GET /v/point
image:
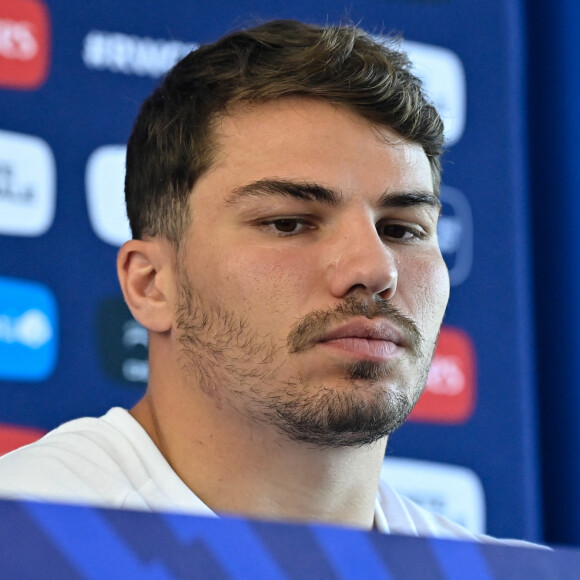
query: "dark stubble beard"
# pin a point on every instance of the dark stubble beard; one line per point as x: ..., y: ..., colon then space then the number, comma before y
x: 235, y: 366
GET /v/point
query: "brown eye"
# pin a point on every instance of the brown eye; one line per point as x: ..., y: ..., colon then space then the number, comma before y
x: 396, y: 231
x: 286, y: 225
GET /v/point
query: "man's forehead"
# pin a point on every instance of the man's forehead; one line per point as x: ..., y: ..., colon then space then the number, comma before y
x: 291, y: 120
x: 292, y: 109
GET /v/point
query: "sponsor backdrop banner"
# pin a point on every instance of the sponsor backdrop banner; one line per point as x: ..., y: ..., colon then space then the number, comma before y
x: 71, y: 80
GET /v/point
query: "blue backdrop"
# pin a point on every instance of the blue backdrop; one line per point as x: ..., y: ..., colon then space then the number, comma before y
x: 554, y: 121
x: 88, y: 354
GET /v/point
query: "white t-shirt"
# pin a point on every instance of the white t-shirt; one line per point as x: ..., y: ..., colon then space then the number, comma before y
x: 112, y: 462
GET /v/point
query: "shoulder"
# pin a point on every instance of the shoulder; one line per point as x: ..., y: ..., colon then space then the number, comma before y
x: 405, y: 517
x: 83, y: 460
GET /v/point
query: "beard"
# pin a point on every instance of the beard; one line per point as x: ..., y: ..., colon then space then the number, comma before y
x: 238, y: 367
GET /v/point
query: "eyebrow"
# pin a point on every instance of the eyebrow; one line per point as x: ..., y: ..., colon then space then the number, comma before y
x: 310, y: 191
x: 410, y: 198
x: 304, y: 190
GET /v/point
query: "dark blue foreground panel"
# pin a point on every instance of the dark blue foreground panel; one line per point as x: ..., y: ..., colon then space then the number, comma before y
x: 44, y: 540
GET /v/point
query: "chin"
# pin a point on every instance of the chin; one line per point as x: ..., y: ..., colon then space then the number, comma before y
x: 338, y: 416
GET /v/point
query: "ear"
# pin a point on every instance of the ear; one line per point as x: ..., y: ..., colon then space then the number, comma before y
x: 145, y: 270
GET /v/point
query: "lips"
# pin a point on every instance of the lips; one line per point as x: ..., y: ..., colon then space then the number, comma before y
x: 356, y: 320
x: 365, y: 340
x: 380, y: 330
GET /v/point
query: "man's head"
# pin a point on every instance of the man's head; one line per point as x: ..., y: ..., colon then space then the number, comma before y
x: 172, y: 143
x: 288, y: 177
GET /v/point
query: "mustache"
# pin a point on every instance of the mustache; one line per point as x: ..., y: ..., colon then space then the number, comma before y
x: 308, y: 331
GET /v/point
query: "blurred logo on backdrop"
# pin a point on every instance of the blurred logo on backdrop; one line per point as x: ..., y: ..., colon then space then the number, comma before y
x: 28, y: 330
x: 453, y: 491
x: 24, y: 44
x: 128, y: 54
x: 27, y: 185
x: 449, y: 397
x: 443, y: 76
x: 14, y: 436
x: 122, y: 343
x: 455, y: 233
x: 105, y: 186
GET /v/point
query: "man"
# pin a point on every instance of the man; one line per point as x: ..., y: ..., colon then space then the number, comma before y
x: 282, y: 188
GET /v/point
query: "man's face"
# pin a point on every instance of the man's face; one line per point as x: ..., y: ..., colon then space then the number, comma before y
x: 312, y: 287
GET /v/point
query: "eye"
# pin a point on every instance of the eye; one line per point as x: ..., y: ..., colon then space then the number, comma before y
x: 286, y: 225
x: 398, y: 231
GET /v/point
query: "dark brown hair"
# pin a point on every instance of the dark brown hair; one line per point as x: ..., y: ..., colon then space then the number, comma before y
x: 171, y: 144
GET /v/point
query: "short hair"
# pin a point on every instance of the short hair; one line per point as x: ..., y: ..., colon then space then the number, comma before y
x: 171, y: 143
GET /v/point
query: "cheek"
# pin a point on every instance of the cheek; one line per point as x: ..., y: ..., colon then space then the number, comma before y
x: 428, y: 283
x: 262, y: 280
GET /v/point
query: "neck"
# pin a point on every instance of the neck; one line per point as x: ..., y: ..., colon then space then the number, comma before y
x: 241, y: 467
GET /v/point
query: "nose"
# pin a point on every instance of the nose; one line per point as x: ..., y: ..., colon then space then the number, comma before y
x: 360, y: 261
